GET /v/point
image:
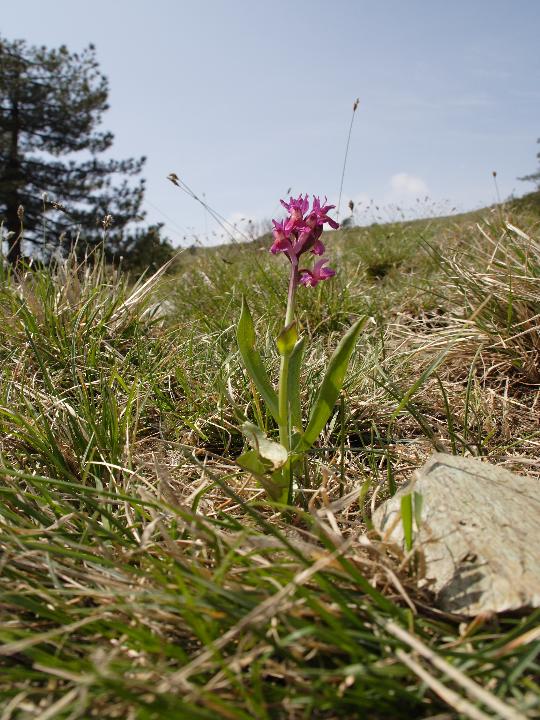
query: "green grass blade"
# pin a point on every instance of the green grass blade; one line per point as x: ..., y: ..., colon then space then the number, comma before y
x: 407, y: 519
x: 431, y: 368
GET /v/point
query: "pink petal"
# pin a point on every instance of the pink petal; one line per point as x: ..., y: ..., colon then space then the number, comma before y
x: 318, y: 248
x: 326, y: 273
x: 307, y: 279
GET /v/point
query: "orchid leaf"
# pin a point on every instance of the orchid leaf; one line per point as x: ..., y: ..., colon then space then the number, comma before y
x: 293, y: 385
x: 331, y: 386
x: 245, y: 335
x: 251, y: 461
x: 272, y: 486
x: 272, y: 483
x: 269, y: 451
x: 287, y: 339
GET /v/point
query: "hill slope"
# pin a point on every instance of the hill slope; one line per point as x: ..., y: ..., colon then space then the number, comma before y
x: 143, y: 575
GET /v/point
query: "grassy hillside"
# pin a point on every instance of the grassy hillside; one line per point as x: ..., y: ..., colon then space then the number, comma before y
x: 144, y: 575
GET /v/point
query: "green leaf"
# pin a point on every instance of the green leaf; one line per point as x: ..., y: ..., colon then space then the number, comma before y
x: 407, y: 519
x: 251, y: 461
x: 293, y: 385
x: 274, y: 453
x: 331, y: 386
x: 287, y: 338
x: 273, y: 483
x: 245, y: 335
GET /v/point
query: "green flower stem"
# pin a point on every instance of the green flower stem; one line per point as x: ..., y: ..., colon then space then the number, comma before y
x: 293, y: 284
x: 283, y: 399
x: 284, y: 402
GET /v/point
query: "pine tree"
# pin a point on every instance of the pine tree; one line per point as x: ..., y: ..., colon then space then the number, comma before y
x: 534, y: 177
x: 51, y: 105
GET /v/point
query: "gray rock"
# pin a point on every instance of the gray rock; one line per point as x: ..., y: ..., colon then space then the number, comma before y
x: 160, y: 310
x: 479, y: 534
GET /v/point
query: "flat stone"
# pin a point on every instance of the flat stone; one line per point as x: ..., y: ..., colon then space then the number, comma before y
x: 479, y: 534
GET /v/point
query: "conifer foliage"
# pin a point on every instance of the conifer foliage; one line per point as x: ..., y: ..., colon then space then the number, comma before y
x: 534, y: 177
x: 55, y: 184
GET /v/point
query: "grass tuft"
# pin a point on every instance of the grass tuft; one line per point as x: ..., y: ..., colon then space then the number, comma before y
x: 142, y: 574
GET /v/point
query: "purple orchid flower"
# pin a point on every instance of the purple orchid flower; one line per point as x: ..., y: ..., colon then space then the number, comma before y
x: 281, y: 242
x: 296, y: 207
x: 301, y: 232
x: 319, y: 214
x: 309, y: 239
x: 310, y: 278
x: 318, y: 248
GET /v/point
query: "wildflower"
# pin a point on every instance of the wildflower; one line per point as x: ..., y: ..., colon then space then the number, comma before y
x: 309, y: 239
x: 302, y: 230
x: 319, y: 214
x: 281, y: 242
x: 310, y: 278
x: 278, y: 465
x: 318, y: 248
x: 296, y: 207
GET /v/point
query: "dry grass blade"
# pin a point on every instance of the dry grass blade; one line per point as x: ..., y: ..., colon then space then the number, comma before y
x: 528, y: 637
x: 131, y: 589
x: 20, y: 645
x: 460, y: 704
x: 53, y: 710
x: 143, y: 290
x: 262, y: 612
x: 502, y: 709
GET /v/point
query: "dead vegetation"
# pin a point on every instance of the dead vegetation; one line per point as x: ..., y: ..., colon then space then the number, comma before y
x: 145, y: 576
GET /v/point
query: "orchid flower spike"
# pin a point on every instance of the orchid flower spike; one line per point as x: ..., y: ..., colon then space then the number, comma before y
x: 301, y: 231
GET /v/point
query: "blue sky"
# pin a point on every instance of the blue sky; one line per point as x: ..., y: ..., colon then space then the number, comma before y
x: 244, y: 99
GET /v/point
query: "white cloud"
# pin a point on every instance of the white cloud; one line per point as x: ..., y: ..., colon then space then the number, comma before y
x: 405, y: 186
